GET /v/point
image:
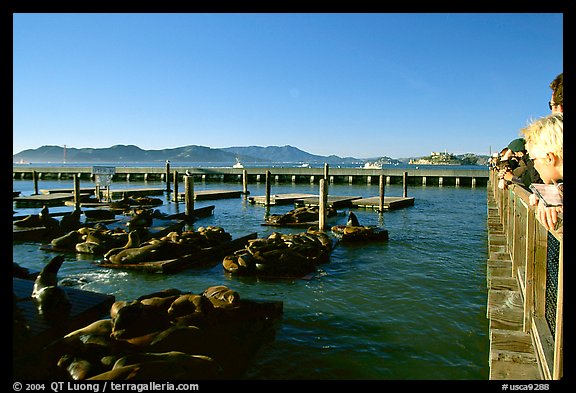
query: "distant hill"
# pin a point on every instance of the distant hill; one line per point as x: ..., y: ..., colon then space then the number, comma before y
x: 192, y: 153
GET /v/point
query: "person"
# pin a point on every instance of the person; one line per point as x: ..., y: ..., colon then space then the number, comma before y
x: 544, y: 143
x: 556, y: 103
x: 520, y: 169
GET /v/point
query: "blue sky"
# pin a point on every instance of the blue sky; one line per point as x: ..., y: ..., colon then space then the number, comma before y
x: 361, y: 85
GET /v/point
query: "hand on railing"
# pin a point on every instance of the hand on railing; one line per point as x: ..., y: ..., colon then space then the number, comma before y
x: 547, y: 215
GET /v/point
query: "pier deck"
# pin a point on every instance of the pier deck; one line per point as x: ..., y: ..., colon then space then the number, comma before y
x: 512, y: 355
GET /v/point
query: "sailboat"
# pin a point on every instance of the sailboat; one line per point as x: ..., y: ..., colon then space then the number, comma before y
x: 238, y: 164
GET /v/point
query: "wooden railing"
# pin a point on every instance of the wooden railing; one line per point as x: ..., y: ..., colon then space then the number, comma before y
x: 539, y: 272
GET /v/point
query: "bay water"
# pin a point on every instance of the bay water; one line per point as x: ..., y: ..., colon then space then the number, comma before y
x: 411, y: 308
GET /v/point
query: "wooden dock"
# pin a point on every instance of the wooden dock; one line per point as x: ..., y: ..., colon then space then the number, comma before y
x: 280, y: 199
x: 87, y: 307
x: 389, y: 202
x: 52, y: 199
x: 512, y: 355
x: 205, y: 195
x: 336, y: 201
x: 525, y: 289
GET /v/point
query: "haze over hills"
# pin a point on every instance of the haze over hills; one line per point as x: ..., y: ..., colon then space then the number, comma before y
x: 190, y: 153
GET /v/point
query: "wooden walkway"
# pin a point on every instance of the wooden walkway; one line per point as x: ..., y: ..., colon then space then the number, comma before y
x: 512, y: 355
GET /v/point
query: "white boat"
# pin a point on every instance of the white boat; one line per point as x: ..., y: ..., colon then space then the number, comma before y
x: 238, y: 164
x: 305, y: 165
x: 372, y: 165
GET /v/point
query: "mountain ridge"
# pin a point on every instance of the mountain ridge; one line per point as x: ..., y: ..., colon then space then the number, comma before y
x: 195, y: 153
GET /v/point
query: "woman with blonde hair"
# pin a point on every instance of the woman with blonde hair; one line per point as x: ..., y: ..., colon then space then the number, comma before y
x: 544, y: 143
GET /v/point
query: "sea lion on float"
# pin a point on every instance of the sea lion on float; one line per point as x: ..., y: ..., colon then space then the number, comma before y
x: 51, y: 300
x: 67, y: 241
x: 352, y: 220
x: 71, y: 221
x: 135, y: 319
x: 133, y: 241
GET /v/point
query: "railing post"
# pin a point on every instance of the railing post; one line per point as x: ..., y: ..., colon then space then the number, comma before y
x: 559, y: 330
x: 530, y: 263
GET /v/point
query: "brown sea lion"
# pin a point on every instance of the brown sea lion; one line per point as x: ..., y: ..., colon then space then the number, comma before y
x: 188, y: 304
x: 136, y: 319
x: 71, y: 221
x: 133, y: 241
x: 222, y: 293
x: 51, y: 300
x: 67, y: 241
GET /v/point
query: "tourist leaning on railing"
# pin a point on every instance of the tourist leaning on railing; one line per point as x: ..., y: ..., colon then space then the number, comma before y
x: 544, y: 142
x: 520, y: 168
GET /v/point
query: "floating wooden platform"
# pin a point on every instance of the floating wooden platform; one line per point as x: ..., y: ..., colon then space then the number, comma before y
x: 87, y: 307
x: 89, y: 191
x: 198, y: 259
x: 389, y: 202
x: 29, y: 234
x: 280, y: 199
x: 335, y: 201
x: 204, y: 195
x: 54, y: 199
x: 306, y: 224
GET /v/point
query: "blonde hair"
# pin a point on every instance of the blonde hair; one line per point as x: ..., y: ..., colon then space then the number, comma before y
x: 545, y: 135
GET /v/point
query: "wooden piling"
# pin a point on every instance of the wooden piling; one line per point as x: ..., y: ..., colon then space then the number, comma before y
x: 175, y: 198
x: 167, y: 176
x: 322, y: 205
x: 35, y: 178
x: 268, y: 176
x: 244, y: 181
x: 326, y: 170
x: 382, y: 188
x: 405, y: 181
x: 76, y: 191
x: 189, y: 196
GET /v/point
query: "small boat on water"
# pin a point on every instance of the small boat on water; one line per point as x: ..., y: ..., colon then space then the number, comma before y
x: 372, y: 165
x: 238, y: 164
x: 304, y: 165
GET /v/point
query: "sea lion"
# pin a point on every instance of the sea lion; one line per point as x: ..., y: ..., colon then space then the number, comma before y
x: 71, y: 221
x: 136, y: 319
x: 222, y: 296
x: 352, y: 220
x: 133, y: 241
x: 67, y: 241
x: 173, y: 365
x: 51, y: 300
x: 48, y: 221
x: 30, y: 221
